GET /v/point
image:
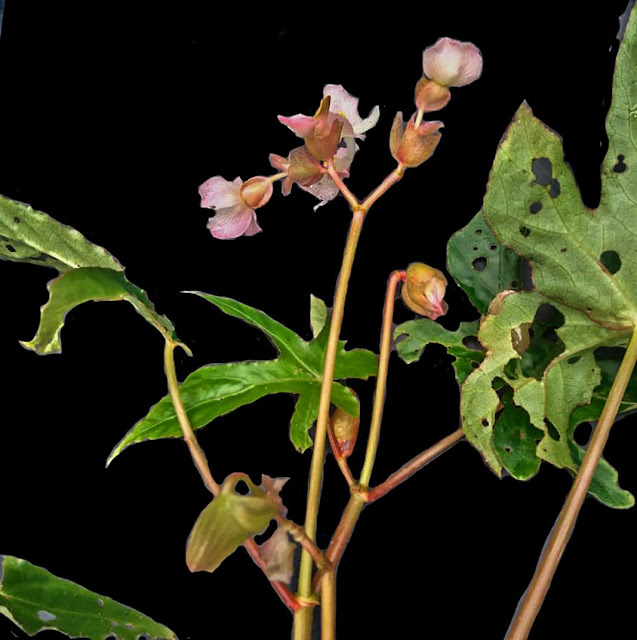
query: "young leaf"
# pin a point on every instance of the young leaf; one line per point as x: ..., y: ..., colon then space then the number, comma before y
x: 31, y: 236
x: 35, y: 599
x: 318, y: 315
x: 77, y: 286
x: 480, y: 264
x: 414, y: 335
x: 214, y: 390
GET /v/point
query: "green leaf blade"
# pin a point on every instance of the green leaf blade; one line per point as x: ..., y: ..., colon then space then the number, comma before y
x: 35, y: 599
x: 33, y: 237
x: 78, y: 286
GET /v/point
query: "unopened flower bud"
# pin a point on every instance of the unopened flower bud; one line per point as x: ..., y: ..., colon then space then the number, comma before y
x: 431, y: 96
x: 256, y: 191
x: 452, y: 63
x: 412, y: 145
x: 424, y: 290
x: 345, y: 431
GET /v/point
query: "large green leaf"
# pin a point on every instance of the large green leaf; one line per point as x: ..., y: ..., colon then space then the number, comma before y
x: 217, y: 389
x: 77, y: 286
x: 88, y: 272
x: 480, y: 264
x: 35, y: 599
x: 414, y: 335
x: 31, y: 236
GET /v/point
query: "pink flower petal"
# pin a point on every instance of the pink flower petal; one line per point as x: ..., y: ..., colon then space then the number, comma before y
x: 218, y: 193
x: 452, y: 63
x: 300, y: 124
x: 254, y: 227
x: 231, y: 222
x: 325, y: 190
x: 344, y: 104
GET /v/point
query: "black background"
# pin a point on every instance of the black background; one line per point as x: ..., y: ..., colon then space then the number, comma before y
x: 112, y: 115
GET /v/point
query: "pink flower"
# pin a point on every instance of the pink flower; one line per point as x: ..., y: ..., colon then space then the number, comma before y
x: 452, y: 63
x: 343, y: 113
x: 234, y: 203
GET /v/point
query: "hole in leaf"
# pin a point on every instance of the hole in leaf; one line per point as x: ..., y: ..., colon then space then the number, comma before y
x: 583, y: 433
x: 10, y: 248
x: 574, y: 360
x: 563, y: 250
x: 475, y: 364
x: 472, y: 342
x: 555, y: 189
x: 551, y: 336
x: 553, y: 432
x: 478, y: 232
x: 485, y: 422
x: 526, y: 275
x: 507, y: 449
x: 545, y: 313
x: 514, y: 284
x: 475, y: 248
x: 542, y: 170
x: 493, y: 247
x: 535, y: 207
x: 479, y: 264
x: 17, y: 220
x: 545, y: 344
x: 611, y: 260
x: 525, y: 231
x: 620, y: 167
x: 510, y: 369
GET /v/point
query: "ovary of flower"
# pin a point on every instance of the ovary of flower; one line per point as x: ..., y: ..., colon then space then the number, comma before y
x: 452, y: 63
x: 234, y: 216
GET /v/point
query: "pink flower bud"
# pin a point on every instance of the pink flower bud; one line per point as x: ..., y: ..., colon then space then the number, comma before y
x: 412, y: 145
x: 452, y: 63
x: 431, y: 96
x: 424, y: 290
x: 256, y: 192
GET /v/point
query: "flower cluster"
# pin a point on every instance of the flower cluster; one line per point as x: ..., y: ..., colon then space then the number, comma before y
x: 330, y: 142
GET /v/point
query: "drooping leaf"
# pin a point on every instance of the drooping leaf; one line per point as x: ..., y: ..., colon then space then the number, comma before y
x: 480, y: 264
x: 414, y: 335
x: 77, y: 286
x: 214, y: 390
x: 35, y: 600
x: 27, y: 235
x: 88, y: 272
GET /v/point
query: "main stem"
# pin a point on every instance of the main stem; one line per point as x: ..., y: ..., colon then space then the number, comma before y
x: 303, y: 617
x: 534, y: 596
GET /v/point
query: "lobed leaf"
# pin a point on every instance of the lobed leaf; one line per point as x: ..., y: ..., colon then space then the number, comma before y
x: 217, y: 389
x: 35, y: 600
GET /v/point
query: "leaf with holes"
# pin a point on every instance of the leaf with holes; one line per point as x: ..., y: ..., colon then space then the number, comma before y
x: 583, y: 265
x: 413, y: 336
x: 88, y: 272
x: 217, y: 389
x: 34, y: 237
x: 35, y: 600
x: 549, y: 399
x: 480, y: 264
x: 77, y: 286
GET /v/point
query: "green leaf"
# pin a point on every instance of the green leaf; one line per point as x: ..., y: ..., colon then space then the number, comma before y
x: 77, y: 286
x: 567, y: 382
x: 414, y: 335
x: 480, y: 264
x: 34, y: 237
x: 35, y: 600
x: 515, y: 439
x: 318, y: 315
x: 214, y: 390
